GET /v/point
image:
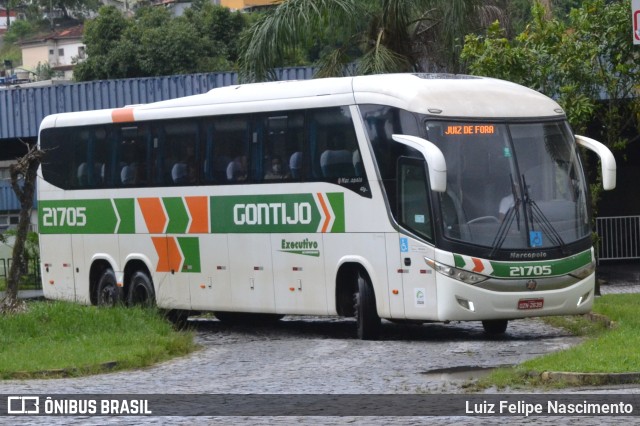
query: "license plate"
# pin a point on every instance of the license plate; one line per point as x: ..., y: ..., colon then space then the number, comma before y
x: 525, y: 304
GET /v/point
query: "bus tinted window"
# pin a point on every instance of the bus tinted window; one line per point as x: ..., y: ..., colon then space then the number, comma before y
x: 333, y: 145
x: 285, y: 146
x: 132, y: 153
x: 179, y: 162
x: 76, y: 158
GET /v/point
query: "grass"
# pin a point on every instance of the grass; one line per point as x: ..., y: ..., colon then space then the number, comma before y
x: 65, y: 339
x: 605, y: 350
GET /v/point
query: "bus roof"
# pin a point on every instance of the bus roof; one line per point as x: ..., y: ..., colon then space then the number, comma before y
x: 440, y: 95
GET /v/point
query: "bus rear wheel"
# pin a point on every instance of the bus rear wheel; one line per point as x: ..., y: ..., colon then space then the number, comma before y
x: 367, y: 319
x: 107, y: 291
x: 141, y: 291
x: 495, y: 327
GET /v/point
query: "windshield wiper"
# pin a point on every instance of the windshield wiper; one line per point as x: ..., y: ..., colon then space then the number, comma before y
x: 534, y: 213
x: 512, y: 213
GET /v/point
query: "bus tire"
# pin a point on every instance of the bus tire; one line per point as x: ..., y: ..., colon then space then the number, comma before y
x: 107, y: 290
x: 495, y: 327
x: 367, y: 319
x: 141, y: 291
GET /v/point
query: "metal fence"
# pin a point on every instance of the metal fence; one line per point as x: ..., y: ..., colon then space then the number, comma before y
x: 30, y: 276
x: 619, y: 237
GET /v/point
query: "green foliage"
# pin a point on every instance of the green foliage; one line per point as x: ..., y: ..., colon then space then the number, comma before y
x: 45, y: 72
x: 378, y: 36
x: 84, y: 337
x: 154, y: 43
x: 588, y: 63
x: 18, y: 30
x: 606, y: 350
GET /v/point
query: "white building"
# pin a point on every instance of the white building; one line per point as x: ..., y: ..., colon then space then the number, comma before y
x: 58, y: 49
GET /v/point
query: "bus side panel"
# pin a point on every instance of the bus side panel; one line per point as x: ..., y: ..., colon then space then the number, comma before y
x: 299, y: 276
x: 57, y: 267
x: 368, y: 249
x: 251, y: 273
x: 81, y: 276
x: 211, y: 289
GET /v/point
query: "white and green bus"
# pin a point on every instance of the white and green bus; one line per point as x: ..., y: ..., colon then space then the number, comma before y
x: 409, y: 197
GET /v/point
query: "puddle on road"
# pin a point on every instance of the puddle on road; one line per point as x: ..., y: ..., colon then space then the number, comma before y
x: 461, y: 373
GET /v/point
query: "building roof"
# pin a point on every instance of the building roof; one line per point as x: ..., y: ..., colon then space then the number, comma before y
x: 71, y: 33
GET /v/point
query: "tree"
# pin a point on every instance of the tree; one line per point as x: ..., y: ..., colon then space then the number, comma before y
x: 154, y: 43
x: 76, y: 8
x: 588, y: 63
x: 23, y: 182
x: 378, y: 35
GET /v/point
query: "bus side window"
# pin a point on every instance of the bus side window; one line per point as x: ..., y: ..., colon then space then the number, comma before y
x: 282, y: 153
x: 334, y: 147
x: 228, y: 150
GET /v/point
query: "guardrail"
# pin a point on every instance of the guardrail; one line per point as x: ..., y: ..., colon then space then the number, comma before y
x: 619, y: 237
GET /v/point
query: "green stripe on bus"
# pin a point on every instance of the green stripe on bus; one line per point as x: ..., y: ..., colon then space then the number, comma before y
x: 178, y: 216
x: 527, y: 269
x: 126, y: 212
x: 190, y: 247
x: 77, y: 217
x: 336, y: 200
x: 535, y: 268
x: 281, y: 213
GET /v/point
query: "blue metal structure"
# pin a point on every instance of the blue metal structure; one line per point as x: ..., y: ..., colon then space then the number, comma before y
x: 22, y: 109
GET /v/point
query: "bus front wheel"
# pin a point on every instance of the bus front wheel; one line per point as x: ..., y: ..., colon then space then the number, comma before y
x: 107, y: 291
x: 141, y: 291
x: 495, y: 327
x: 367, y: 319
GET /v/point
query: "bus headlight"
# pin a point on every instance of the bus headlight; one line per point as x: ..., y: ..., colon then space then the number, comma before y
x: 584, y: 272
x: 456, y: 273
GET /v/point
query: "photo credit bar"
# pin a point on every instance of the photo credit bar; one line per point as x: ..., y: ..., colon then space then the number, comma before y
x: 307, y: 405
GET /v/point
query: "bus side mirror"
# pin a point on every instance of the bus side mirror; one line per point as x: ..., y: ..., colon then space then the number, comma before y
x: 434, y: 157
x: 607, y: 160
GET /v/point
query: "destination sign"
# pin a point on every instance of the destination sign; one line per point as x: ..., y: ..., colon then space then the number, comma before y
x: 470, y: 129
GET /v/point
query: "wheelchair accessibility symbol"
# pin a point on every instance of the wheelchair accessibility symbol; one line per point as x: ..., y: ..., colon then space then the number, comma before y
x: 404, y: 245
x: 535, y: 239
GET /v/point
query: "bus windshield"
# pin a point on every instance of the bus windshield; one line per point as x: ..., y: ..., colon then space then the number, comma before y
x: 511, y: 186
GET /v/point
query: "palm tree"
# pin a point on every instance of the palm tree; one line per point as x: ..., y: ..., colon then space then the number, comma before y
x: 376, y: 35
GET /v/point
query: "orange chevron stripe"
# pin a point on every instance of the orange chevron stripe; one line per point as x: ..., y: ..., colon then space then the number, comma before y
x: 199, y: 210
x: 327, y: 215
x: 478, y: 266
x: 122, y: 115
x: 153, y: 214
x: 160, y: 244
x: 175, y: 258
